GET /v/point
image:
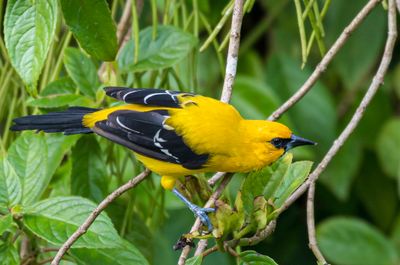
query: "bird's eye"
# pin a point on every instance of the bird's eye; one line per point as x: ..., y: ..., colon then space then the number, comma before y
x: 278, y: 142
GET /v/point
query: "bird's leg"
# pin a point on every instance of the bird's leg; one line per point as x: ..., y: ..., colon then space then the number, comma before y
x: 198, y: 211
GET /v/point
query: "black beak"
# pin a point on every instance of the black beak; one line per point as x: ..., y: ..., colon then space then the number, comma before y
x: 298, y: 141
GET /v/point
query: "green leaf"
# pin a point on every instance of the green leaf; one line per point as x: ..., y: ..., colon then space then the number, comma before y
x: 251, y: 257
x: 280, y: 170
x: 6, y: 222
x: 349, y: 241
x: 9, y: 255
x: 263, y: 181
x: 82, y: 71
x: 61, y: 86
x: 10, y: 186
x: 196, y: 260
x: 169, y: 47
x: 58, y: 101
x: 28, y: 156
x: 356, y: 59
x: 89, y: 173
x: 55, y: 219
x: 388, y: 147
x: 124, y: 254
x: 294, y: 177
x: 57, y: 146
x: 92, y: 25
x: 340, y: 173
x: 254, y: 99
x: 29, y: 28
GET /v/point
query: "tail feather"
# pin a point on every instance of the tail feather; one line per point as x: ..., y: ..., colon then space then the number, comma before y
x: 68, y: 121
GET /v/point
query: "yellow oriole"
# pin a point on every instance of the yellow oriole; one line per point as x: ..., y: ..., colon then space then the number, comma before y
x: 176, y: 134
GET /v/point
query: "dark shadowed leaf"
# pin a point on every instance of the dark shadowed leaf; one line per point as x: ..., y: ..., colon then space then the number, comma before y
x: 10, y: 186
x: 55, y: 219
x: 250, y: 257
x: 342, y: 170
x: 360, y: 53
x: 349, y: 241
x: 124, y: 254
x: 28, y: 32
x: 89, y: 173
x: 28, y: 156
x: 82, y: 71
x: 92, y: 25
x: 388, y: 147
x: 169, y: 47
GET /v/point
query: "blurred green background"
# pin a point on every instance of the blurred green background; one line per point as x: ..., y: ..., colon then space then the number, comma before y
x: 357, y: 197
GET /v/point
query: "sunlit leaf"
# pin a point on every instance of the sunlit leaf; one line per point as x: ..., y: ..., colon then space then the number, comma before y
x: 29, y: 28
x: 28, y: 156
x: 10, y: 186
x: 9, y: 254
x: 58, y: 101
x: 61, y: 86
x: 55, y: 219
x: 196, y: 260
x: 5, y: 223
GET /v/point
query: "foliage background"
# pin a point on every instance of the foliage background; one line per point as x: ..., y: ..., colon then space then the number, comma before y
x: 43, y: 68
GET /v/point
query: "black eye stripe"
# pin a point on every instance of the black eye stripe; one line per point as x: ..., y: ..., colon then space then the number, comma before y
x: 280, y: 142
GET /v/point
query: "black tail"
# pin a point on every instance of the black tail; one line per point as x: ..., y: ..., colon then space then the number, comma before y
x: 68, y: 121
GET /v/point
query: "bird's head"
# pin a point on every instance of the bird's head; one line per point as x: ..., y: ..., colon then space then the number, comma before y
x: 277, y: 138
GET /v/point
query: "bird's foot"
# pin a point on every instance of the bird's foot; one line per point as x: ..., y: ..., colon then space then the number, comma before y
x: 201, y: 213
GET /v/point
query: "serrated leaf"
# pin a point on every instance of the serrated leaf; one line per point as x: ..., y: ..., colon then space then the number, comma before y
x: 294, y: 177
x: 9, y: 255
x: 61, y: 86
x: 196, y: 260
x: 58, y: 101
x: 124, y: 254
x: 89, y: 173
x: 169, y: 47
x: 10, y: 186
x: 82, y: 71
x: 92, y: 25
x: 350, y: 241
x: 388, y: 147
x: 55, y: 219
x: 5, y: 223
x: 28, y: 156
x: 251, y: 257
x: 29, y: 28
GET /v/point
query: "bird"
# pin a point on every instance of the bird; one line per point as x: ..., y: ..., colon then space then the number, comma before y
x: 175, y: 134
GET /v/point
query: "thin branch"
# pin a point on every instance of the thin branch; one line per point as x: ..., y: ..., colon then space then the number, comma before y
x: 312, y: 239
x: 375, y: 84
x: 96, y: 212
x: 325, y: 60
x: 214, y: 179
x: 197, y: 223
x: 233, y: 51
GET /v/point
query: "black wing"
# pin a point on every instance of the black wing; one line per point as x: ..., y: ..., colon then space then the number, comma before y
x: 146, y: 96
x: 147, y: 134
